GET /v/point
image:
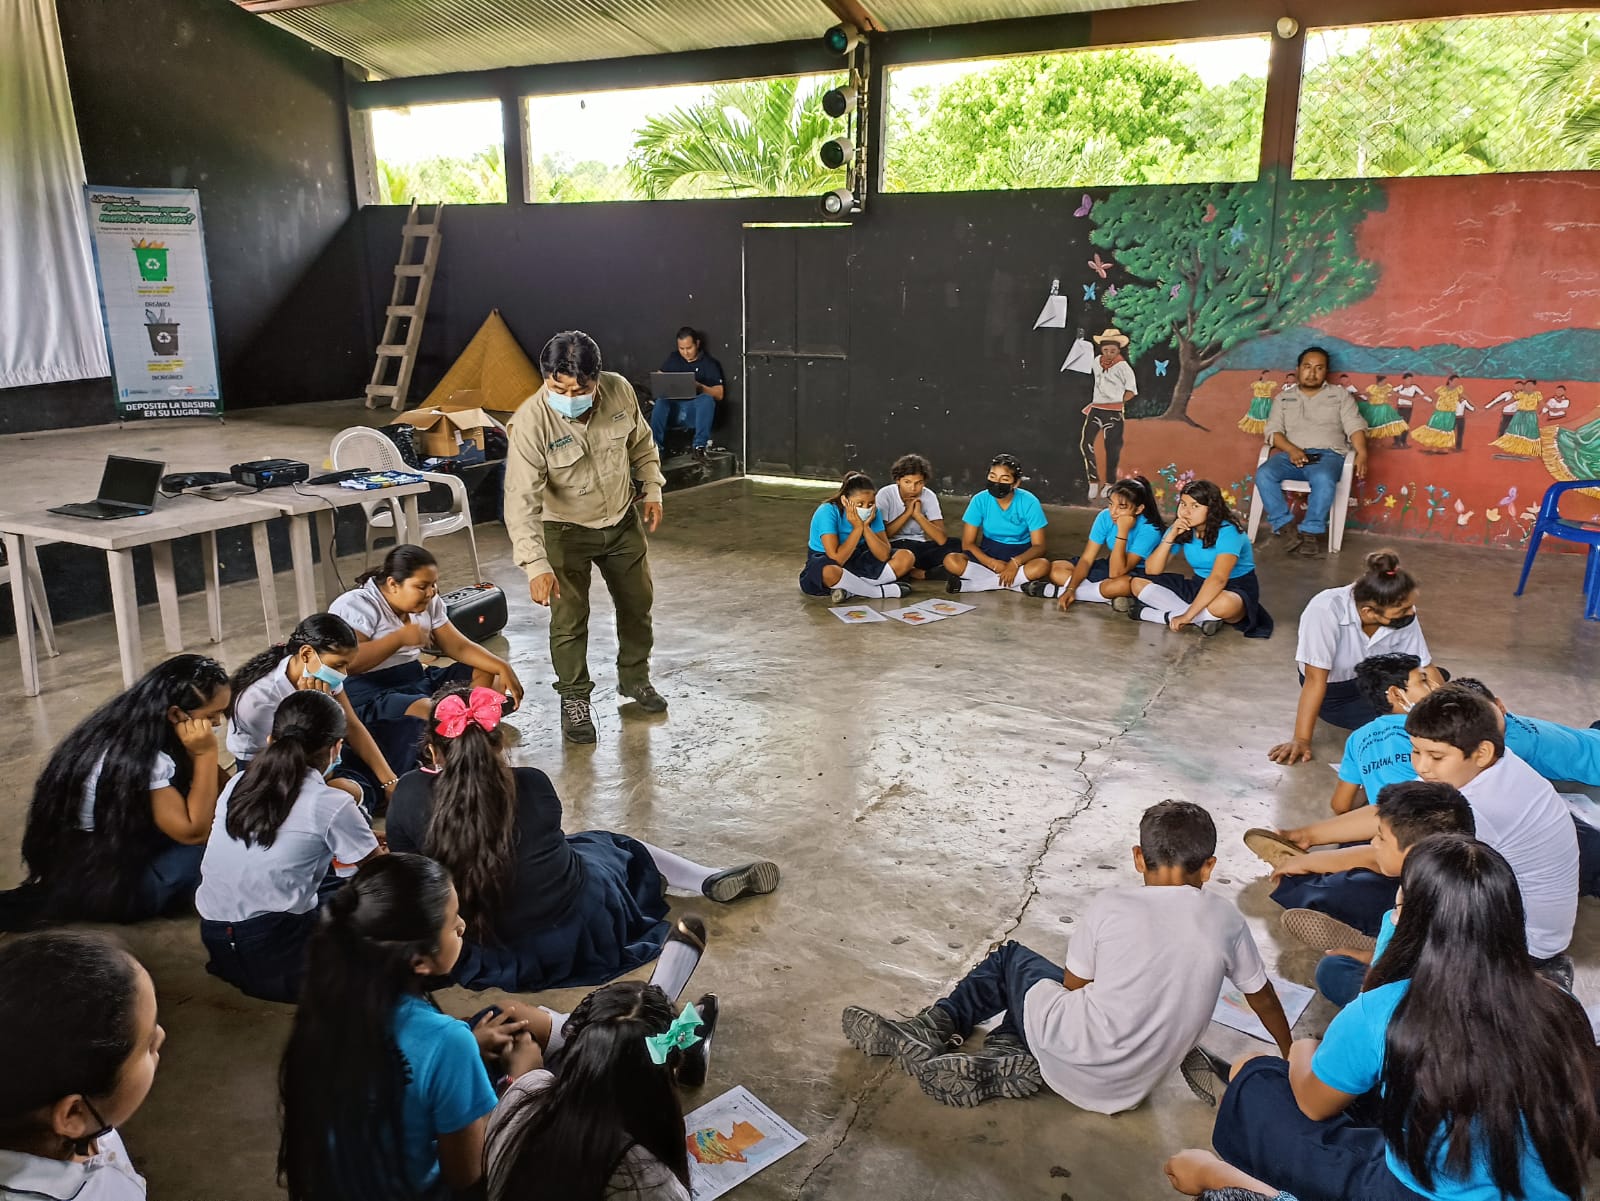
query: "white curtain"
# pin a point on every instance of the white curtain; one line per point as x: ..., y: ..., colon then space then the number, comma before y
x: 49, y: 311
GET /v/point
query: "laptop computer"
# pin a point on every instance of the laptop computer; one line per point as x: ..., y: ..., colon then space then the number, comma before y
x: 127, y: 489
x: 673, y: 385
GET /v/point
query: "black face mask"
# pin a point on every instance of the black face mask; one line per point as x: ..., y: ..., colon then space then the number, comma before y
x: 996, y: 488
x: 1400, y: 623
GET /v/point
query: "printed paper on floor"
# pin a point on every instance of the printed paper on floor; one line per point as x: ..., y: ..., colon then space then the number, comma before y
x: 855, y: 615
x: 1234, y: 1012
x: 914, y: 615
x: 731, y: 1139
x: 945, y: 607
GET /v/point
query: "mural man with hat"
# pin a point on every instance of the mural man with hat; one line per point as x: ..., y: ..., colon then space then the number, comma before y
x: 1114, y: 386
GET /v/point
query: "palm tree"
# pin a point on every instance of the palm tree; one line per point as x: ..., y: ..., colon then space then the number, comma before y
x: 758, y: 138
x: 1566, y: 84
x: 397, y: 183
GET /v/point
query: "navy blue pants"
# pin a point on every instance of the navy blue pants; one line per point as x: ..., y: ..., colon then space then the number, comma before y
x: 927, y: 554
x: 1339, y: 978
x: 1359, y: 898
x: 263, y: 956
x: 1344, y: 706
x: 999, y: 984
x: 1588, y: 859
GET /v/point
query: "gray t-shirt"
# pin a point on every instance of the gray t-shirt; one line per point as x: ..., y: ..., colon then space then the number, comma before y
x: 1323, y: 419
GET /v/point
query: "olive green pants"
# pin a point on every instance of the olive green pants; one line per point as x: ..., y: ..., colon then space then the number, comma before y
x: 621, y: 554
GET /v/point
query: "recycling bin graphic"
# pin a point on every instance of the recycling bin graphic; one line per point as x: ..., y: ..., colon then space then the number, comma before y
x: 152, y: 262
x: 163, y: 337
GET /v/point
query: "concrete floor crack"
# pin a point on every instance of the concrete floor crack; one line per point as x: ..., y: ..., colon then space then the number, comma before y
x: 859, y: 1101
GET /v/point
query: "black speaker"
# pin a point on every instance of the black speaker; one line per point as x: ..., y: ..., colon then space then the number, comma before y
x: 478, y: 610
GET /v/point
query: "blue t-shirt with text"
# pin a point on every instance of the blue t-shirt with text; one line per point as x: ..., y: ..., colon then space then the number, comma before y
x: 1377, y: 754
x: 1555, y: 751
x: 830, y: 519
x: 1013, y: 525
x: 1230, y: 541
x: 447, y: 1086
x: 1142, y: 538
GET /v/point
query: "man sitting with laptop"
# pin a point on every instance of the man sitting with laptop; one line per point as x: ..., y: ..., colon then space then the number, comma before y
x: 688, y: 385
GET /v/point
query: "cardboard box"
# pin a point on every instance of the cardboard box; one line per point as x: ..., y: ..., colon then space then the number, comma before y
x: 440, y: 435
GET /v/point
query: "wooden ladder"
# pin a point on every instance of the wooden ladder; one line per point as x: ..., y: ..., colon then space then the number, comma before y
x: 400, y: 341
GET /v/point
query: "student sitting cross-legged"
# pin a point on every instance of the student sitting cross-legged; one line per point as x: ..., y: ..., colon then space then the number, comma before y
x: 1142, y: 975
x: 1223, y: 589
x: 912, y: 517
x: 1128, y: 529
x: 1457, y: 1074
x: 1002, y: 535
x: 848, y: 553
x: 1379, y: 752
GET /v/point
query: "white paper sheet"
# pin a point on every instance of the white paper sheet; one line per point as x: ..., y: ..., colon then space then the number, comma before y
x: 1080, y: 357
x: 731, y: 1139
x: 1054, y: 313
x: 1583, y: 807
x: 914, y: 615
x: 856, y: 615
x: 945, y: 607
x: 1234, y: 1012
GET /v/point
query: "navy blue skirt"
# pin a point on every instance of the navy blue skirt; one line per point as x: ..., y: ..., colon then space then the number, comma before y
x: 1004, y: 551
x: 1256, y: 622
x: 616, y: 922
x: 863, y: 563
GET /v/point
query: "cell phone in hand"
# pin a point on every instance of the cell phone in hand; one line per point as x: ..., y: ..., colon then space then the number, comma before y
x: 1313, y: 456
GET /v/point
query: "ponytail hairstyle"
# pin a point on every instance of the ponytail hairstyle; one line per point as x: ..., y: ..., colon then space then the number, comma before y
x: 321, y: 632
x: 1218, y: 514
x: 343, y: 1079
x: 473, y: 828
x: 1136, y: 490
x: 1531, y: 1077
x: 122, y: 739
x: 1385, y: 583
x: 400, y: 564
x: 305, y: 728
x: 67, y: 1006
x: 854, y: 482
x: 569, y: 1138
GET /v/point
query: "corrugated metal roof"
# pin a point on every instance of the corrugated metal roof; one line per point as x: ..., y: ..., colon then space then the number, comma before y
x: 920, y: 14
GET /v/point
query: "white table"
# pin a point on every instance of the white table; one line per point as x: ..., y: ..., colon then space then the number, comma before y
x: 172, y: 519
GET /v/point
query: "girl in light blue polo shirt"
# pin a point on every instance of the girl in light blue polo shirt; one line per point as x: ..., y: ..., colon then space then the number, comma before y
x: 850, y: 554
x: 1129, y: 528
x: 1223, y: 589
x: 1002, y: 539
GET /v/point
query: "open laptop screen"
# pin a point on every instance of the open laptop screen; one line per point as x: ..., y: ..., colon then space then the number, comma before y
x: 131, y: 481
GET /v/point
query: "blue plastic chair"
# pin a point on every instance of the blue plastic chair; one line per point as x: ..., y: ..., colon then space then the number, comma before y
x: 1551, y: 522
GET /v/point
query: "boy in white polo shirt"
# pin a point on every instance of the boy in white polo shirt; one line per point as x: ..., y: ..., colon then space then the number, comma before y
x: 912, y: 517
x: 1142, y: 976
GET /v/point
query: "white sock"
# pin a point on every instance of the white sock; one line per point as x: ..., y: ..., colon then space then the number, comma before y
x: 1019, y: 582
x: 1162, y: 599
x: 873, y: 589
x: 1154, y: 616
x: 558, y: 1028
x: 1089, y: 590
x: 1206, y: 615
x: 678, y: 871
x: 672, y: 971
x: 978, y: 578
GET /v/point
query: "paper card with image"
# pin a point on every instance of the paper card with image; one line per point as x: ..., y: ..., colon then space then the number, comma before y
x: 855, y: 615
x: 1233, y: 1011
x: 914, y: 615
x: 944, y: 607
x: 731, y: 1139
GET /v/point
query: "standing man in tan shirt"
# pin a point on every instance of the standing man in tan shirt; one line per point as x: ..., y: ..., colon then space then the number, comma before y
x: 577, y: 447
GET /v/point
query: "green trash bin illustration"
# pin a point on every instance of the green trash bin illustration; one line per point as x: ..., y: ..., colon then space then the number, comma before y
x: 152, y: 258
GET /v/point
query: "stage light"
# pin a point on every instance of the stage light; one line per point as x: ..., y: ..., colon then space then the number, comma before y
x: 838, y: 101
x: 838, y: 203
x: 836, y: 152
x: 842, y: 39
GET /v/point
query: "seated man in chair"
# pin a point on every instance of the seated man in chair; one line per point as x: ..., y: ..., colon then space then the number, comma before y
x: 690, y: 359
x: 1309, y: 429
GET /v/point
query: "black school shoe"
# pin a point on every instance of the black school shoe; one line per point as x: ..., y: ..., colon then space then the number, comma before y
x: 750, y: 879
x: 696, y: 1060
x: 1002, y: 1067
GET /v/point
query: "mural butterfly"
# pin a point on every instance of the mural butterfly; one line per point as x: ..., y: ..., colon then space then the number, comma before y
x: 1099, y: 265
x: 1161, y: 366
x: 1088, y: 291
x: 1084, y: 209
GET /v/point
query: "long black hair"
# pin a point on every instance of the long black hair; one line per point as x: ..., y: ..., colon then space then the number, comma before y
x: 321, y: 632
x: 1136, y: 490
x: 305, y: 728
x: 1384, y: 584
x: 343, y: 1079
x: 1491, y: 1055
x: 608, y: 1097
x: 473, y: 827
x: 400, y: 564
x: 1218, y: 512
x: 122, y: 738
x: 67, y: 1006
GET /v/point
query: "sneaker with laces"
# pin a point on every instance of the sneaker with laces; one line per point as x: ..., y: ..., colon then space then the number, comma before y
x: 1310, y: 547
x: 1001, y: 1067
x: 1285, y: 540
x: 911, y: 1040
x: 647, y: 697
x: 577, y: 719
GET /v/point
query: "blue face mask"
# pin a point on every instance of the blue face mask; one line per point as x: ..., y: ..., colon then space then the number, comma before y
x: 570, y: 407
x: 333, y: 679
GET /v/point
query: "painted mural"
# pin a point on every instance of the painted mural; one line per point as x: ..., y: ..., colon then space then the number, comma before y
x: 1462, y: 313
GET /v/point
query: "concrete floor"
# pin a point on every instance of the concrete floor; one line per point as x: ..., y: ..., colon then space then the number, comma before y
x: 927, y: 791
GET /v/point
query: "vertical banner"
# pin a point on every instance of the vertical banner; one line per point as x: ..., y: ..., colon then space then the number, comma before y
x: 155, y: 300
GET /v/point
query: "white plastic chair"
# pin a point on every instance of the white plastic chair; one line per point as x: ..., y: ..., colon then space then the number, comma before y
x: 1336, y: 515
x: 360, y: 446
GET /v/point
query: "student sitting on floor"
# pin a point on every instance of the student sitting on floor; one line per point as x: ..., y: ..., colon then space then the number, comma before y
x: 1407, y: 813
x: 279, y: 828
x: 848, y: 552
x: 1379, y: 753
x: 608, y: 1124
x: 382, y: 1095
x: 1456, y: 739
x: 1002, y: 535
x: 396, y: 612
x: 317, y: 658
x: 1223, y: 589
x: 121, y: 811
x: 1142, y: 974
x: 1458, y: 1074
x: 543, y: 909
x: 912, y: 518
x: 1128, y: 528
x: 80, y: 1041
x: 1340, y: 627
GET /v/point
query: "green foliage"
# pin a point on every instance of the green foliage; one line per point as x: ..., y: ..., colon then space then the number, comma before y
x: 1565, y: 85
x: 480, y: 179
x: 1216, y: 266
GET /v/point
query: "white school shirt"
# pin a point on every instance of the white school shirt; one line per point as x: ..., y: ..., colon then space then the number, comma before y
x: 1156, y: 958
x: 253, y: 711
x: 323, y: 827
x: 107, y: 1175
x: 161, y: 773
x: 1110, y: 385
x: 891, y: 506
x: 1331, y: 637
x: 371, y: 616
x: 1520, y: 815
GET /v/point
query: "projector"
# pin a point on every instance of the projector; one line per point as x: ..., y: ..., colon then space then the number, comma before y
x: 269, y: 473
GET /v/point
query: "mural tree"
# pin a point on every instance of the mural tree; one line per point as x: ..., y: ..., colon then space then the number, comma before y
x: 1211, y: 267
